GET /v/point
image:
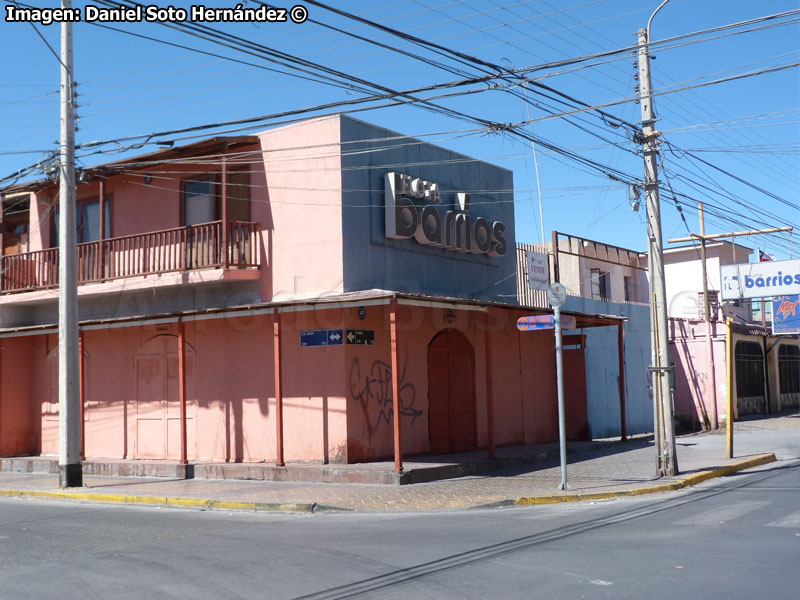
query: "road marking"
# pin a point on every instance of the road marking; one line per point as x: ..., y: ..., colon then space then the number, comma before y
x: 792, y: 520
x: 720, y: 515
x: 590, y: 580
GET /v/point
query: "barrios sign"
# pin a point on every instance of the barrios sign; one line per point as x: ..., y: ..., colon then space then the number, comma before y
x: 456, y: 230
x: 760, y: 280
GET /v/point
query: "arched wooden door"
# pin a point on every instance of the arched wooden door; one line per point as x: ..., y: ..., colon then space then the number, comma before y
x: 452, y: 421
x: 157, y: 408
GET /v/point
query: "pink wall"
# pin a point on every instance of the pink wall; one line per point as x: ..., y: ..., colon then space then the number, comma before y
x: 111, y: 387
x: 524, y: 407
x: 40, y: 219
x: 44, y: 390
x: 18, y: 430
x: 315, y: 410
x: 509, y: 397
x: 688, y: 351
x: 304, y: 229
x: 369, y: 384
x: 539, y: 386
x: 233, y: 388
x: 137, y: 207
x: 230, y: 393
x: 337, y: 399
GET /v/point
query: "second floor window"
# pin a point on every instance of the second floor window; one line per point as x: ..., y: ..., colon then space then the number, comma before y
x: 15, y: 225
x: 239, y: 196
x: 629, y: 294
x: 202, y: 198
x: 600, y: 287
x: 87, y: 221
x: 199, y: 201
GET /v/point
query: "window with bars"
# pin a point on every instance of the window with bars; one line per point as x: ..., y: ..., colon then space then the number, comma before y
x: 789, y: 368
x: 749, y: 369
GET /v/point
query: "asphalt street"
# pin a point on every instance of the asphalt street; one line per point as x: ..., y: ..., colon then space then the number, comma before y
x: 735, y: 537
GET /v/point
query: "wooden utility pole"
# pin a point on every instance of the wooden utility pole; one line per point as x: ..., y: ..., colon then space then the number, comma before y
x: 661, y: 368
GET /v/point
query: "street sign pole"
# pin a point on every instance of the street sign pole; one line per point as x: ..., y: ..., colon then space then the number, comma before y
x: 562, y: 434
x: 557, y: 295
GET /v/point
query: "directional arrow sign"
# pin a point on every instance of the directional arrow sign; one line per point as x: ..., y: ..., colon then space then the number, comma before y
x: 361, y: 337
x: 539, y: 322
x: 321, y: 337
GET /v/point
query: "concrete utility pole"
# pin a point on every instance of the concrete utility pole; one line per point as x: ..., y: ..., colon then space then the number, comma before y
x: 69, y: 429
x: 661, y: 369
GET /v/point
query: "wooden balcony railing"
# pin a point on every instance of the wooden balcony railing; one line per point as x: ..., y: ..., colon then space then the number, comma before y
x: 156, y: 252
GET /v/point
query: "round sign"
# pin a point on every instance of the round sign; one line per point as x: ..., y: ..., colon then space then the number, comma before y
x: 556, y: 294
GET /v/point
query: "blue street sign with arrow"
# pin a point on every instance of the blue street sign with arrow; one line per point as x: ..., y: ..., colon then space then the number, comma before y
x: 539, y: 322
x: 321, y: 337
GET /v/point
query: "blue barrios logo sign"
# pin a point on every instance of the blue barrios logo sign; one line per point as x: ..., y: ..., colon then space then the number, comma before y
x: 760, y: 280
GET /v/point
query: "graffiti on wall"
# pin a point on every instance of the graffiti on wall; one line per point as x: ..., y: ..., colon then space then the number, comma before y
x: 375, y: 387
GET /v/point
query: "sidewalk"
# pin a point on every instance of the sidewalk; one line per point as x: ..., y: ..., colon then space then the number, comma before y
x: 617, y: 470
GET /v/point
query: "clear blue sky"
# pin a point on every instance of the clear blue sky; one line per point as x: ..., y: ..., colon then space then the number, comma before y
x: 748, y: 127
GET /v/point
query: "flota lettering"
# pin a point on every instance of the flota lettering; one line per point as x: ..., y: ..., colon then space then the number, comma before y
x: 456, y: 231
x: 773, y: 281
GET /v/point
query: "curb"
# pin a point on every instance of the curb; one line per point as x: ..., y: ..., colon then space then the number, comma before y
x: 173, y: 502
x: 313, y: 507
x: 682, y: 482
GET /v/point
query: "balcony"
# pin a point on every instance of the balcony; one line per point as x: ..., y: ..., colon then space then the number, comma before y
x: 175, y: 250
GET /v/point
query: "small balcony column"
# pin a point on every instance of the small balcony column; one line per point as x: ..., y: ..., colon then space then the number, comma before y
x: 225, y: 219
x: 398, y: 438
x: 1, y: 392
x: 182, y: 386
x: 487, y: 353
x: 82, y: 389
x: 2, y: 245
x: 101, y: 267
x: 623, y: 425
x: 278, y: 359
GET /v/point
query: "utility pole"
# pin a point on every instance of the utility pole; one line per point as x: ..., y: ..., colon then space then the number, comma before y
x: 69, y: 428
x: 707, y: 314
x: 661, y: 369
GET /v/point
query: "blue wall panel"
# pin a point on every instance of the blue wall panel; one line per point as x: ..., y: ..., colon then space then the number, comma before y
x: 371, y: 260
x: 602, y: 368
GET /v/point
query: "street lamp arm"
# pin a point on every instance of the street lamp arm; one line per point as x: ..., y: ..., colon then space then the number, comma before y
x: 660, y: 6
